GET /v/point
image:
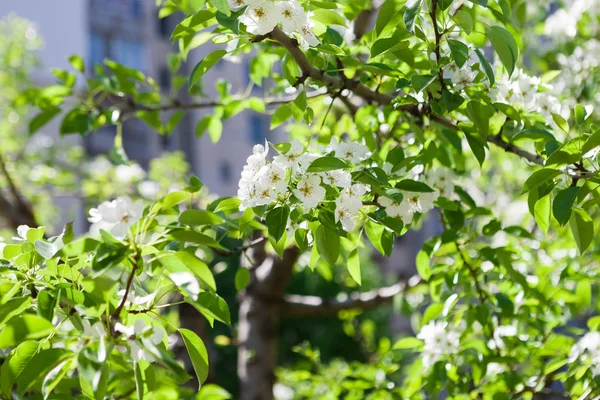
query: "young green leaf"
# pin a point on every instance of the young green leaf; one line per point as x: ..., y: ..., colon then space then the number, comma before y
x: 505, y: 46
x: 206, y: 64
x: 563, y: 204
x: 582, y: 228
x: 327, y: 163
x: 354, y: 266
x: 197, y: 352
x: 328, y: 244
x: 277, y: 220
x: 410, y: 15
x: 460, y: 52
x: 538, y: 178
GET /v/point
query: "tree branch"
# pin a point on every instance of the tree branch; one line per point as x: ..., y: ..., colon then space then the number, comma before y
x: 303, y: 306
x: 18, y: 212
x: 332, y: 82
x: 438, y: 38
x: 117, y: 312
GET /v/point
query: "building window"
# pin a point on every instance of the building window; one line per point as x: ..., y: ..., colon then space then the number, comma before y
x: 225, y: 172
x: 98, y: 48
x: 164, y: 79
x: 258, y: 129
x: 131, y: 53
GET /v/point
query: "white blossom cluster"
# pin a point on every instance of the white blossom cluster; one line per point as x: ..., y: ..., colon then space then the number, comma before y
x: 263, y: 183
x: 577, y: 69
x: 464, y: 76
x: 440, y: 179
x: 588, y: 349
x: 439, y: 340
x: 562, y: 24
x: 527, y: 93
x: 262, y: 16
x: 115, y: 216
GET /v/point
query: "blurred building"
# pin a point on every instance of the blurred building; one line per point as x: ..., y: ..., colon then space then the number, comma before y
x: 130, y: 32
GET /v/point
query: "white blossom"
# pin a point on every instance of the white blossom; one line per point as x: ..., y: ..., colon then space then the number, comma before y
x: 337, y: 177
x: 129, y: 173
x: 149, y: 189
x: 420, y: 202
x: 442, y: 179
x: 393, y: 209
x: 586, y: 349
x: 309, y: 191
x: 348, y: 204
x: 352, y: 152
x: 115, y: 216
x: 272, y: 175
x: 439, y: 341
x: 260, y: 19
x: 291, y: 15
x: 291, y: 158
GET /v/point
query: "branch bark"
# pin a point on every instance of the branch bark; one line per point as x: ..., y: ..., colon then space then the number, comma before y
x: 331, y: 81
x: 259, y: 321
x: 302, y: 306
x: 18, y: 211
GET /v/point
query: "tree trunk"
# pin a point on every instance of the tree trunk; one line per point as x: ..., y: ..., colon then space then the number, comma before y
x: 259, y: 322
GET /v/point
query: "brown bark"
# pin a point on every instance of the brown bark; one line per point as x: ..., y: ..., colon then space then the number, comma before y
x: 260, y: 309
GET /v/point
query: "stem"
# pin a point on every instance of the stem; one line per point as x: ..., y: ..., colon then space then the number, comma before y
x: 117, y: 312
x: 438, y: 38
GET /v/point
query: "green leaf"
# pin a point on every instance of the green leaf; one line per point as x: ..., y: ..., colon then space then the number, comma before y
x: 206, y: 64
x: 505, y: 46
x: 591, y: 143
x: 354, y: 266
x: 423, y: 267
x: 327, y: 163
x: 42, y: 119
x: 563, y: 203
x: 584, y: 292
x: 182, y: 261
x: 582, y: 228
x: 197, y: 352
x: 561, y: 122
x: 39, y: 366
x: 277, y: 220
x: 282, y: 114
x: 213, y: 392
x: 542, y: 213
x: 580, y: 114
x: 196, y: 237
x: 460, y: 52
x: 413, y: 186
x: 12, y: 307
x: 421, y: 82
x: 533, y: 134
x: 24, y: 327
x: 384, y: 16
x: 212, y: 306
x: 432, y: 312
x: 374, y: 233
x: 464, y: 20
x: 408, y: 343
x: 538, y: 178
x: 411, y: 13
x: 487, y: 68
x: 328, y: 244
x: 242, y: 278
x: 199, y: 217
x: 222, y: 6
x: 329, y: 17
x: 139, y: 381
x: 169, y: 201
x: 77, y: 63
x: 14, y: 365
x: 480, y: 115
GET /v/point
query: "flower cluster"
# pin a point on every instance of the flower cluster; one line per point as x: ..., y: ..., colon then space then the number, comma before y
x: 287, y: 180
x: 438, y: 341
x: 464, y: 76
x: 141, y: 339
x: 562, y: 24
x: 588, y: 349
x: 115, y: 216
x: 262, y: 16
x: 527, y: 93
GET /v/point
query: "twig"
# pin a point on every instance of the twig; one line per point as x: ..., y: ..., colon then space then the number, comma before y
x: 298, y: 305
x: 438, y: 38
x: 117, y: 312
